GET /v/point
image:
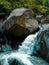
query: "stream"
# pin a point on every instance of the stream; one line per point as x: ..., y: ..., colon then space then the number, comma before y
x: 25, y: 54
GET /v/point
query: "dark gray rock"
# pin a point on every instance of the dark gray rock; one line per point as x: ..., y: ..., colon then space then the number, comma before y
x: 44, y: 45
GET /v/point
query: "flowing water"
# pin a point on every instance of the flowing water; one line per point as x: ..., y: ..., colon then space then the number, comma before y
x: 23, y: 54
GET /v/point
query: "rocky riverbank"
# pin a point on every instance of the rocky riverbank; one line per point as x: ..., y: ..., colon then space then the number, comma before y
x: 21, y: 23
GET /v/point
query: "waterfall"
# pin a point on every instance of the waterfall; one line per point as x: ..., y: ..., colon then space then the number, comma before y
x: 24, y: 51
x: 23, y: 54
x: 28, y: 44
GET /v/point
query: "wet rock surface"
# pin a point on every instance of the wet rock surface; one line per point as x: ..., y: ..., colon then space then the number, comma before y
x: 44, y: 45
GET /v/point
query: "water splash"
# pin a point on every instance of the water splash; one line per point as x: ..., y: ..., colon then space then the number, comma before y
x: 29, y: 44
x: 24, y: 52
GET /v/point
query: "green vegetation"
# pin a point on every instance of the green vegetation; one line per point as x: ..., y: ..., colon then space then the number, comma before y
x: 38, y: 6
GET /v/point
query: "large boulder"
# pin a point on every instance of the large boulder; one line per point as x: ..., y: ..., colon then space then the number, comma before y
x: 20, y: 22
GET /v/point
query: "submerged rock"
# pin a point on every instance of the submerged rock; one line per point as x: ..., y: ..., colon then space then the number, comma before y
x: 14, y: 62
x: 20, y: 22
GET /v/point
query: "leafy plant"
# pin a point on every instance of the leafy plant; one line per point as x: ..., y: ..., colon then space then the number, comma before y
x: 38, y: 6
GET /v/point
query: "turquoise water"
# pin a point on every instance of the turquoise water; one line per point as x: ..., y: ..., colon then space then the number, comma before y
x: 23, y: 54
